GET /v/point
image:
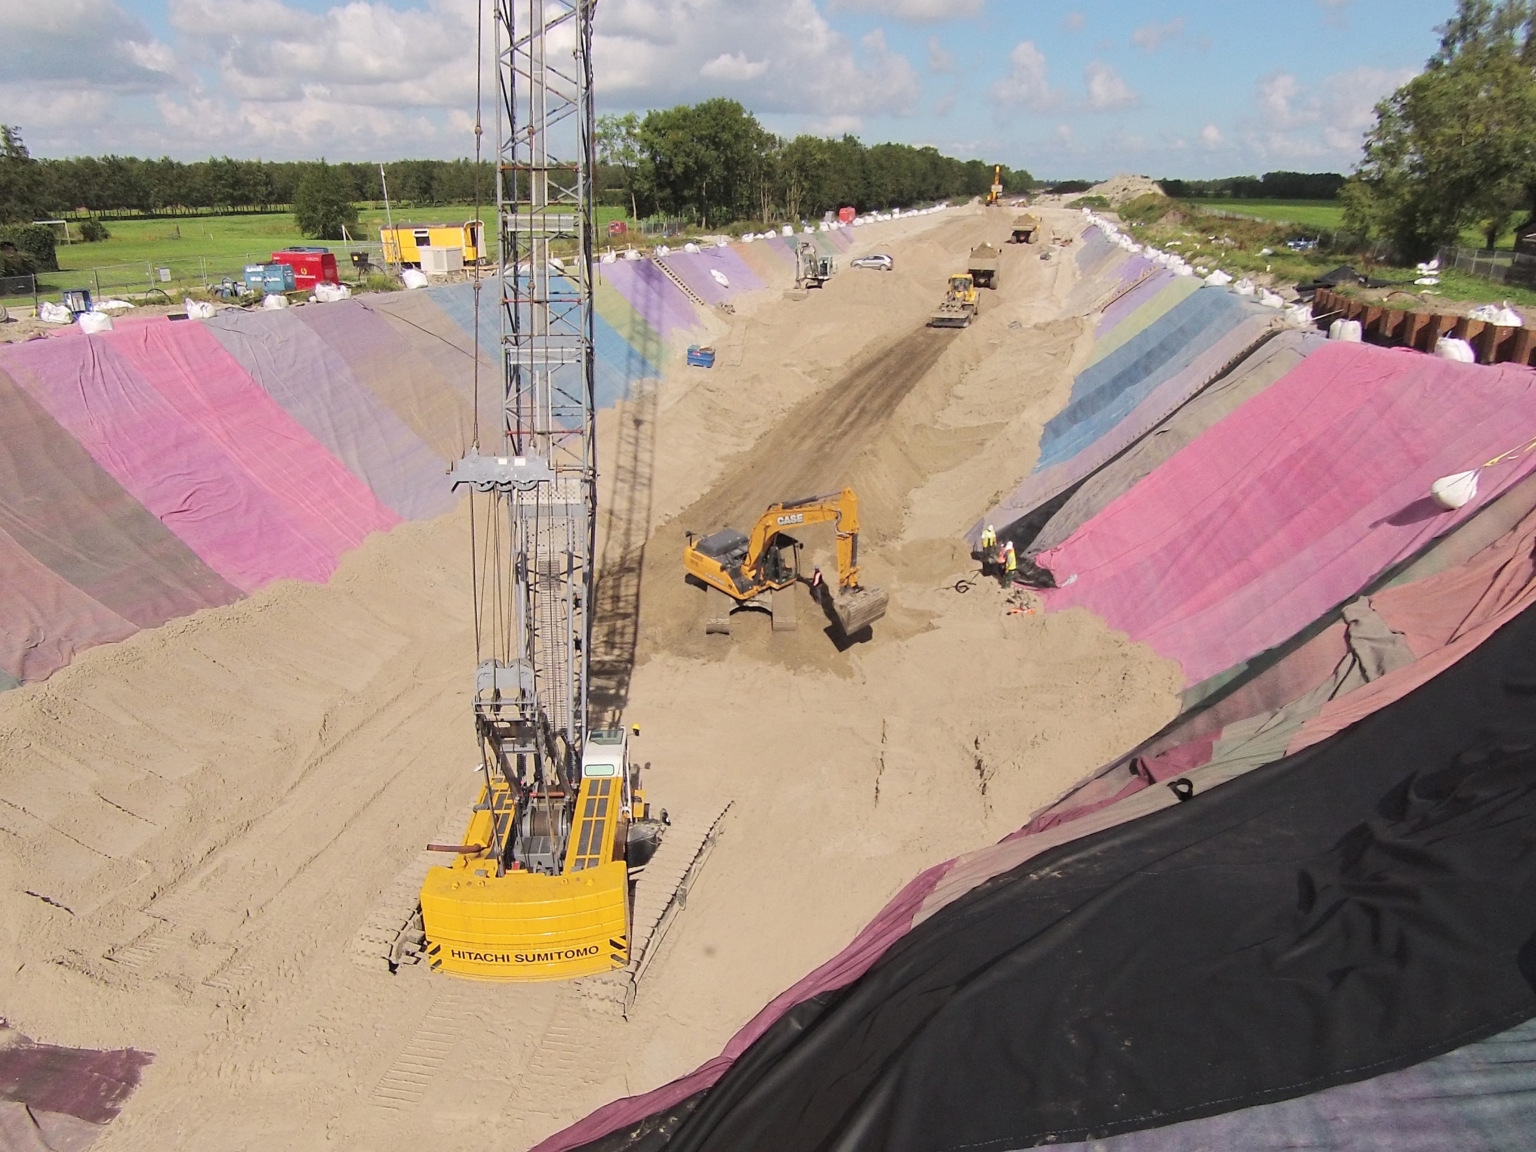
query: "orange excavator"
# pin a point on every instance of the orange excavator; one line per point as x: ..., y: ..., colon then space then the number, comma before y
x: 762, y: 569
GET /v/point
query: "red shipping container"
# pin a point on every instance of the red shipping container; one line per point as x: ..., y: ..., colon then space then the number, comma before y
x: 310, y: 266
x: 846, y: 215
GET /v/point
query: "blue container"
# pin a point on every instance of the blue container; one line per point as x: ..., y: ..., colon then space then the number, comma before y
x: 701, y: 357
x: 269, y: 277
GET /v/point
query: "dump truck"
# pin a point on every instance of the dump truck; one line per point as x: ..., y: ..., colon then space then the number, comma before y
x: 983, y: 266
x: 1026, y: 229
x: 961, y: 302
x: 763, y: 569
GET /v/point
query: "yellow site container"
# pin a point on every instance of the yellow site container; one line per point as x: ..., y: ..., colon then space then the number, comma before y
x: 403, y: 242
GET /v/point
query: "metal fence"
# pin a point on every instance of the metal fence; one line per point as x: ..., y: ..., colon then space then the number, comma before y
x: 173, y: 277
x: 1517, y: 269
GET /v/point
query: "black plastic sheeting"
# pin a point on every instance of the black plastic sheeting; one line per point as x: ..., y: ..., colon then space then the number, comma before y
x: 1361, y: 907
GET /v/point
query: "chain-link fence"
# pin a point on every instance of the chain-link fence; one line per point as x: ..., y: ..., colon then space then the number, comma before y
x: 175, y: 277
x: 1517, y: 269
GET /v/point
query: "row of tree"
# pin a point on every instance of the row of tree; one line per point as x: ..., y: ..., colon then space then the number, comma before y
x: 31, y: 189
x: 711, y: 162
x: 1455, y: 147
x: 714, y: 162
x: 1270, y: 186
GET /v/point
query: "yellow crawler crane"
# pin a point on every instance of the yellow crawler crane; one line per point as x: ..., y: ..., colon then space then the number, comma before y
x: 553, y: 903
x: 747, y: 568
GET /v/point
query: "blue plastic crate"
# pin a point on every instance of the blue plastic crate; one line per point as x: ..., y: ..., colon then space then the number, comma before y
x: 701, y: 357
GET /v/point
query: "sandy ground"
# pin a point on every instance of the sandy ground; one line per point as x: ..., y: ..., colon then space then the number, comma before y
x: 194, y: 822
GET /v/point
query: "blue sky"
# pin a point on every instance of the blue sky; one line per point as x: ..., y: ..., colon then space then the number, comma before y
x: 1088, y: 87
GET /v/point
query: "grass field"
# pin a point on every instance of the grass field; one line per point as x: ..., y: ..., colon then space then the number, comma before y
x: 205, y: 249
x: 1327, y: 214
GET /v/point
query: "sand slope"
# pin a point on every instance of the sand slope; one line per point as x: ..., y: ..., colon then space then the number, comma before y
x: 193, y: 822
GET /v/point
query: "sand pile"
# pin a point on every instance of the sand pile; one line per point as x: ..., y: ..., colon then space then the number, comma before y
x: 195, y: 821
x: 1118, y: 189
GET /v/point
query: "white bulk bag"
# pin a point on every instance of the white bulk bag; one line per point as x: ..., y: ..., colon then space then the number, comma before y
x: 1450, y: 348
x: 198, y: 309
x: 93, y: 322
x: 1454, y: 491
x: 720, y: 277
x: 1348, y: 331
x: 691, y: 248
x: 275, y: 300
x: 1271, y: 300
x: 50, y: 313
x: 413, y: 278
x: 1219, y: 278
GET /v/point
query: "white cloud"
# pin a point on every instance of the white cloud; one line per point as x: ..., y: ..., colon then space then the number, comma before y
x: 1324, y: 122
x: 1026, y: 84
x: 1107, y: 91
x: 649, y: 53
x: 733, y: 66
x: 914, y: 11
x: 1210, y: 136
x: 1064, y: 134
x: 939, y: 59
x: 1073, y: 22
x: 70, y: 42
x: 1153, y: 36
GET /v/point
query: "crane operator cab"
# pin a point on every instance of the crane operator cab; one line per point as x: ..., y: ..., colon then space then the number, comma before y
x: 555, y: 901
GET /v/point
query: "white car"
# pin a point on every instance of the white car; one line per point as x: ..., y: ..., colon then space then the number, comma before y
x: 878, y: 260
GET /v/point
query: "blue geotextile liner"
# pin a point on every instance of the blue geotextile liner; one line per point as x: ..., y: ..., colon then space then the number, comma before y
x: 619, y: 365
x: 1104, y: 393
x: 1480, y: 1098
x: 1095, y: 249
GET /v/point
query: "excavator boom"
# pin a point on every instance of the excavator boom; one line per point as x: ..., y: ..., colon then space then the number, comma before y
x: 747, y: 568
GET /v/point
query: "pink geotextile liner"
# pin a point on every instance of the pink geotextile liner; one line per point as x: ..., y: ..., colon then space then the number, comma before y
x: 207, y: 386
x: 1442, y: 618
x: 44, y: 619
x: 1294, y: 502
x: 169, y: 463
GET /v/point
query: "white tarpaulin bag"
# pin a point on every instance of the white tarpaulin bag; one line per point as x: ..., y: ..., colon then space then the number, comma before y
x: 93, y: 322
x: 411, y: 278
x: 1450, y: 348
x: 275, y: 300
x: 50, y: 313
x: 720, y: 277
x: 1454, y: 491
x: 198, y: 309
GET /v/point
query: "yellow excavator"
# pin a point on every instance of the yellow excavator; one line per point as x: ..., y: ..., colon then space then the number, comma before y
x: 995, y: 195
x: 961, y: 302
x: 764, y: 568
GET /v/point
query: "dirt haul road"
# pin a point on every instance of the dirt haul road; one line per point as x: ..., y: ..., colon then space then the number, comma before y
x: 193, y: 823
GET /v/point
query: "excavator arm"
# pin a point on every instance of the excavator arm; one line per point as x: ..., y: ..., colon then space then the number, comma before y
x: 734, y: 563
x: 839, y: 508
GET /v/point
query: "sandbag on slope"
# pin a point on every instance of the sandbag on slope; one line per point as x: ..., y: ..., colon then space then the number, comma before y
x: 1294, y: 503
x: 1363, y: 906
x: 1257, y: 371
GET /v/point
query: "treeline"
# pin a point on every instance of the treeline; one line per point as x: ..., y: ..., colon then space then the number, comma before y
x: 1270, y: 186
x: 714, y: 163
x: 32, y: 189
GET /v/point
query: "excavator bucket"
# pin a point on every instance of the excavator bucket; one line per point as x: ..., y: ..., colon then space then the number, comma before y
x: 858, y: 608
